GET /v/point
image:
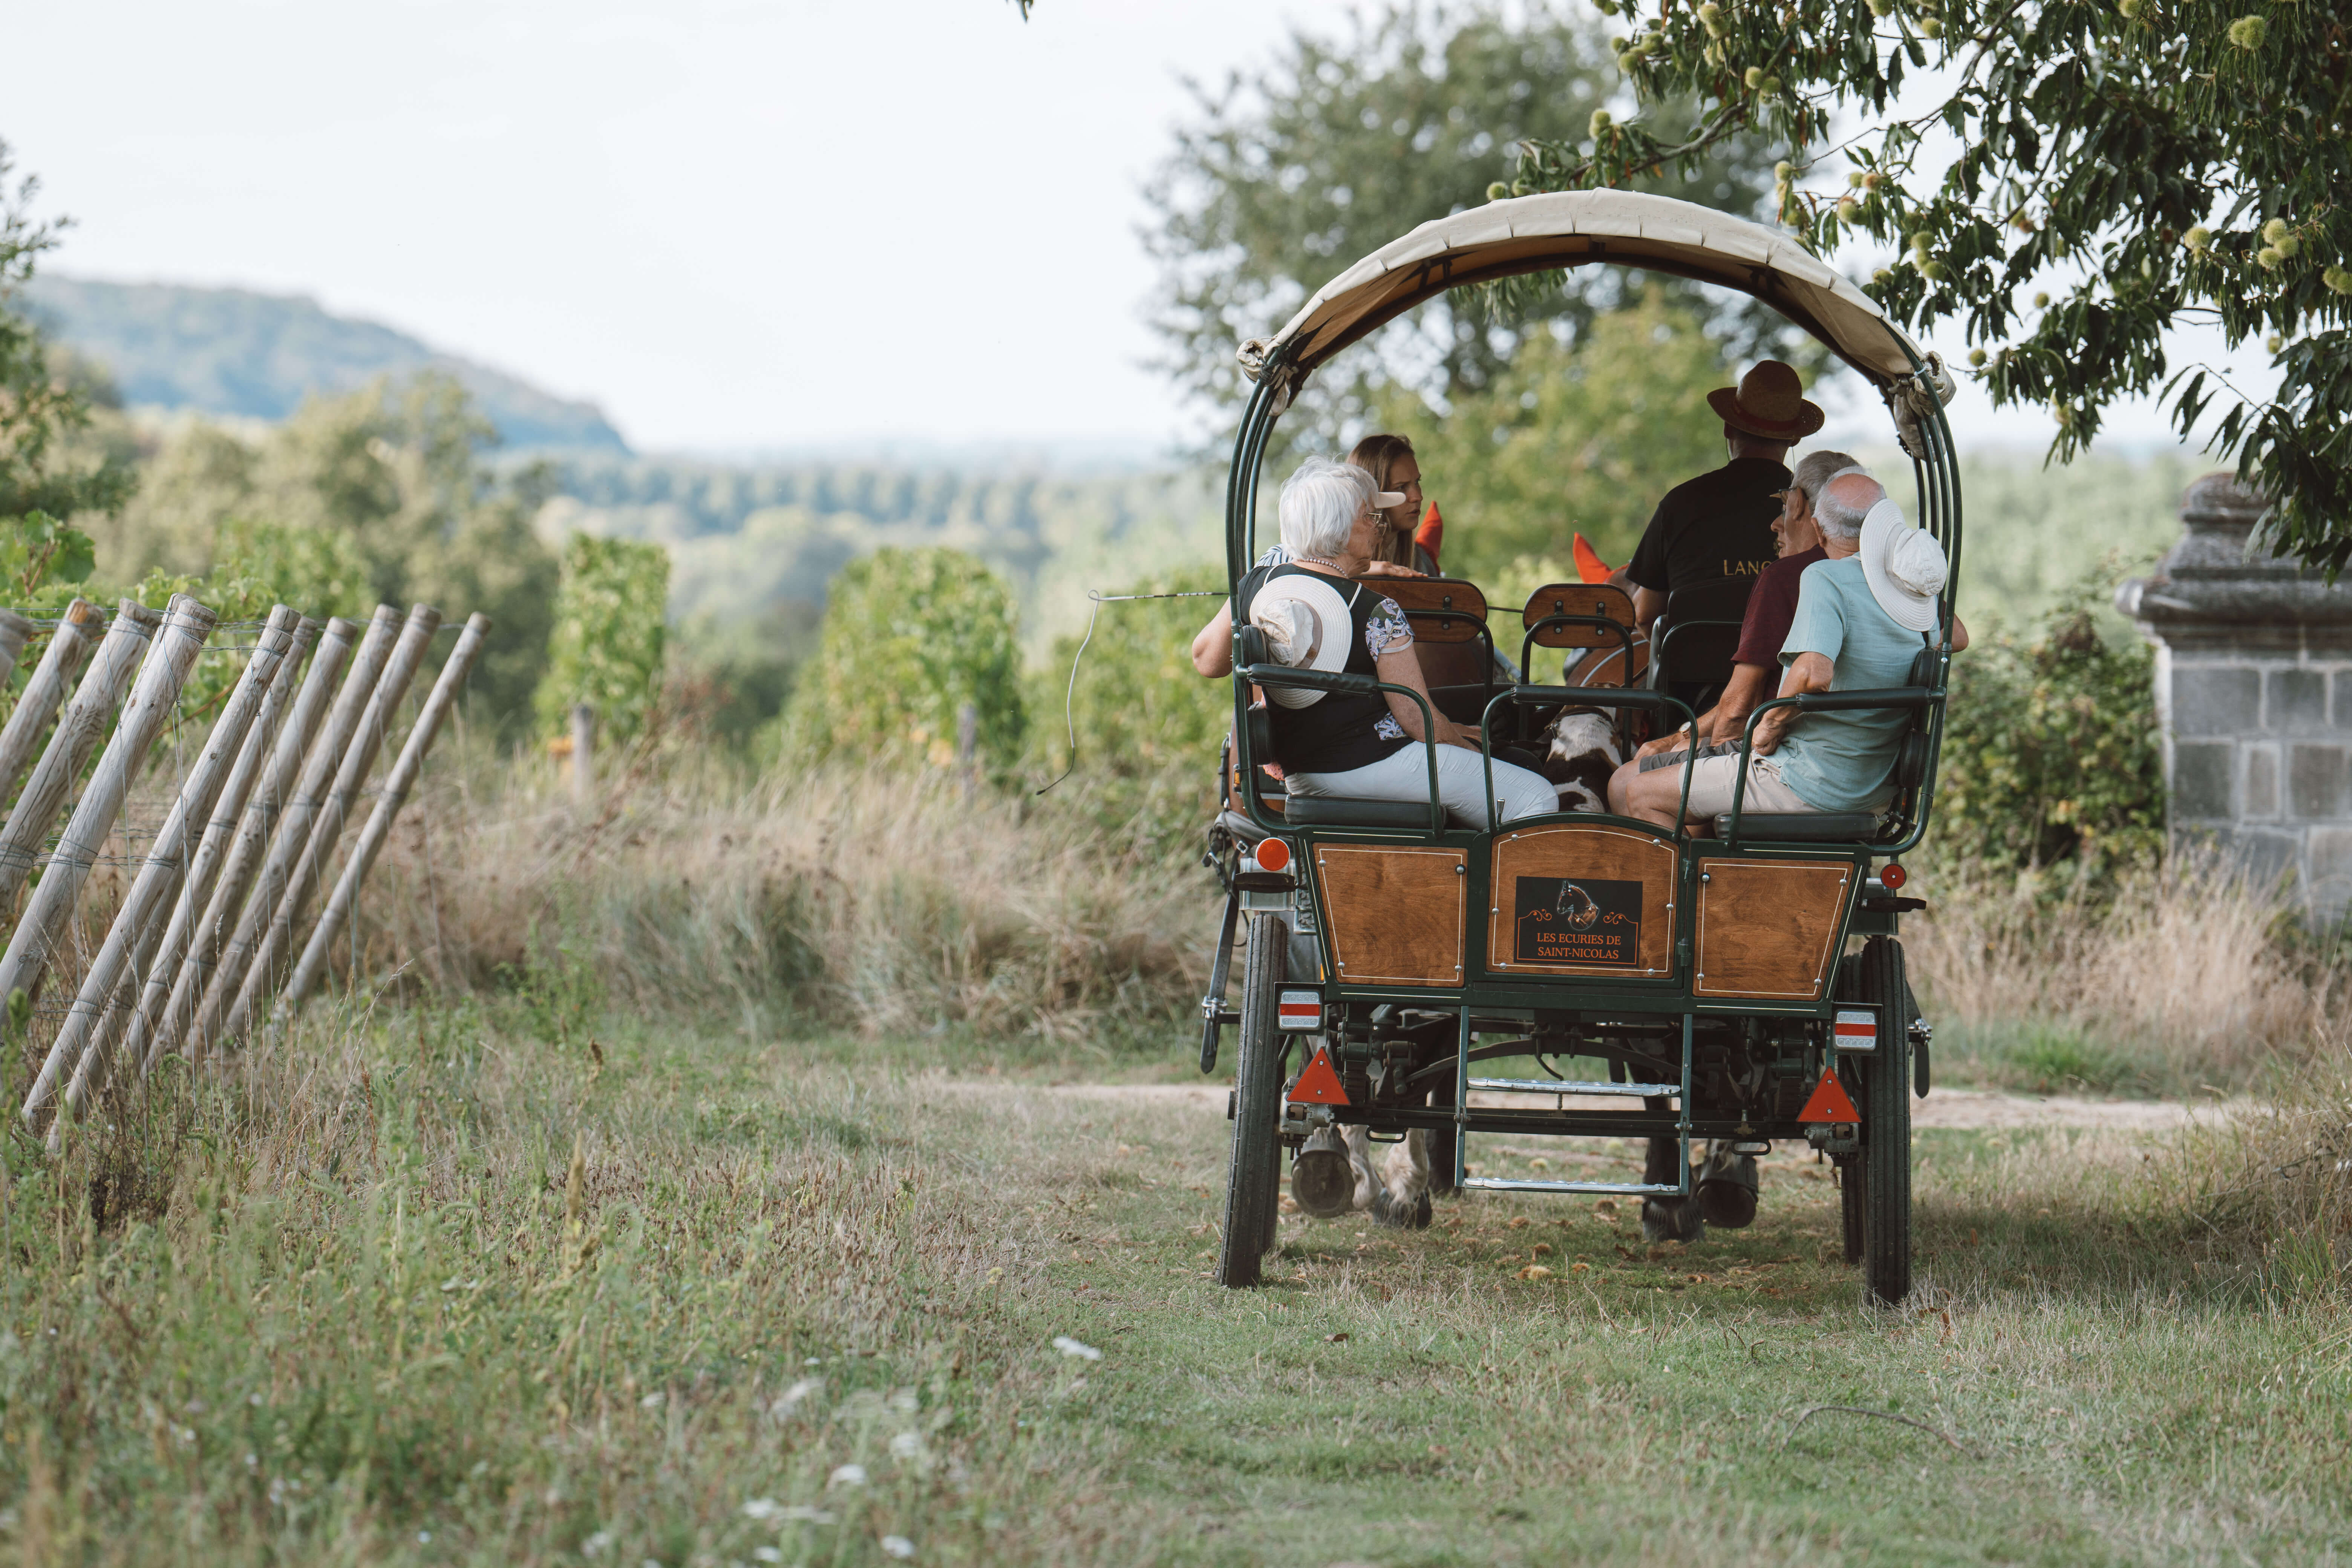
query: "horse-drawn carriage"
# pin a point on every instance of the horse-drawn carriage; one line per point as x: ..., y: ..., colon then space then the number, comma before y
x: 1726, y: 988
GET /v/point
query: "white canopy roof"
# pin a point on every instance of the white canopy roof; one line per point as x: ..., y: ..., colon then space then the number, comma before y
x: 1578, y: 228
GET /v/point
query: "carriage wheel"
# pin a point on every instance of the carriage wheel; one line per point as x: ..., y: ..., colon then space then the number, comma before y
x: 1254, y: 1174
x: 1850, y: 1182
x: 1886, y: 1197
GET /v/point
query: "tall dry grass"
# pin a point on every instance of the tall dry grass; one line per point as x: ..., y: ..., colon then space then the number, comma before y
x: 2191, y: 970
x: 890, y: 903
x: 873, y: 901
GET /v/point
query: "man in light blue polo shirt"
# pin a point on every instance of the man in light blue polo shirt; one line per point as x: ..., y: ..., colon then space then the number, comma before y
x: 1862, y: 615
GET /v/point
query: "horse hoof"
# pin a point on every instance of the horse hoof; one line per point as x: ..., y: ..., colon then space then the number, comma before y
x: 1387, y: 1211
x: 1323, y: 1183
x: 1672, y: 1219
x: 1726, y: 1191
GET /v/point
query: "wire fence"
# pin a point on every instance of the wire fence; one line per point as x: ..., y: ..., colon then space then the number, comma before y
x: 181, y: 793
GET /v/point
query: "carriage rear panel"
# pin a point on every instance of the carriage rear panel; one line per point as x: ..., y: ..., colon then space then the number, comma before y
x: 1582, y: 899
x: 1768, y: 928
x: 1394, y: 915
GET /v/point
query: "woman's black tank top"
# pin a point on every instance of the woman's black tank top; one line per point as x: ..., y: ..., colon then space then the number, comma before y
x: 1341, y: 731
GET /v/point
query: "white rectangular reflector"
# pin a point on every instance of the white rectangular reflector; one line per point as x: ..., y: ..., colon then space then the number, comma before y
x: 1856, y: 1032
x: 1299, y: 1010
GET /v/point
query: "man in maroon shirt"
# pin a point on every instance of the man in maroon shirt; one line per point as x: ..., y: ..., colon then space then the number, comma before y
x: 1771, y: 608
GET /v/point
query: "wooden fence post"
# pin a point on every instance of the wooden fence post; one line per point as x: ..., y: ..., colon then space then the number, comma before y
x: 177, y: 983
x: 69, y: 644
x: 158, y: 875
x: 583, y: 755
x: 263, y: 975
x: 154, y: 697
x: 293, y: 831
x: 403, y: 778
x: 83, y: 724
x: 157, y: 960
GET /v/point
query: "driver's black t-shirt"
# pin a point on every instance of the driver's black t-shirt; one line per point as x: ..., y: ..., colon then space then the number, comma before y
x: 1717, y: 526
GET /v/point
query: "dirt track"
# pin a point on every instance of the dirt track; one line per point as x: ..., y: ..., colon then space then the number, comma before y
x: 1943, y: 1108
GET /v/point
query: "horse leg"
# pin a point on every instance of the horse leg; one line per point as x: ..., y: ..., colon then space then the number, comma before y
x: 1359, y: 1139
x: 1403, y: 1196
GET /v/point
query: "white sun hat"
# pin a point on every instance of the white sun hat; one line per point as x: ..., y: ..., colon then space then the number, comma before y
x: 1903, y: 567
x: 1306, y: 626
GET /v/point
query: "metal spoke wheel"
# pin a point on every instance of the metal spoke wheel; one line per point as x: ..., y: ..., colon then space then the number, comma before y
x: 1886, y: 1162
x: 1253, y: 1175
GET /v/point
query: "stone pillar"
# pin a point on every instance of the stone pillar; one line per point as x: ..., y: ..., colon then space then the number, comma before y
x: 2253, y: 687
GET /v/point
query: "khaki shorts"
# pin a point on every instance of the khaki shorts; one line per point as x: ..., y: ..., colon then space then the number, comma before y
x: 1714, y: 778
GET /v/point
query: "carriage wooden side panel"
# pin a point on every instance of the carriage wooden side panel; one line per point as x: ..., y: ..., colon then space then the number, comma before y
x: 1582, y: 899
x: 1394, y: 916
x: 1768, y: 928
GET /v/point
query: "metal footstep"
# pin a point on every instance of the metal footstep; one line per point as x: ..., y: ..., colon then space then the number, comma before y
x: 1679, y: 1092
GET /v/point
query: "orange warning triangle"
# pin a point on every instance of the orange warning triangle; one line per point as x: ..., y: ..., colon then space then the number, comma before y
x: 1319, y: 1084
x: 1830, y: 1102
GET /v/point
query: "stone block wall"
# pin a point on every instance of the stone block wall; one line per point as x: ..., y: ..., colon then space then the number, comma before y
x: 2258, y: 757
x: 2253, y: 687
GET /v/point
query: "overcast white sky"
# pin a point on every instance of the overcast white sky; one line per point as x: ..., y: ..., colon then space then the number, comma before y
x: 734, y: 224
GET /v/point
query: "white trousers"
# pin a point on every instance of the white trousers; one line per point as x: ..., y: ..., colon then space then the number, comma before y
x: 1404, y: 775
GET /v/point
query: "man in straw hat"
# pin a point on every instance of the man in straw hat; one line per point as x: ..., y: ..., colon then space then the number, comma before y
x: 1718, y: 526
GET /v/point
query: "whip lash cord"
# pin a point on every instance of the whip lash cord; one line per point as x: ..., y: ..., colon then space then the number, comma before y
x: 1070, y: 698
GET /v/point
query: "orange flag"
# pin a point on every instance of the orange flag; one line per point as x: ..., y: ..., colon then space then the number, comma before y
x: 1431, y: 533
x: 1589, y: 567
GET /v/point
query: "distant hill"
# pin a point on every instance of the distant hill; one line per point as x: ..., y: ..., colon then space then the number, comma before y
x: 233, y: 351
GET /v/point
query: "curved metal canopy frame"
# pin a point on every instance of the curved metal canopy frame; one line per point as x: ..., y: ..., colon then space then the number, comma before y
x: 1582, y: 228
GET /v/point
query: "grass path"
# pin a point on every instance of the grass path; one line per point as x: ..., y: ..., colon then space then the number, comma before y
x: 793, y: 1304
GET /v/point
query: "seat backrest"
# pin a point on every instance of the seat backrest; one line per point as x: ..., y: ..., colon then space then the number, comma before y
x: 1695, y: 639
x: 1609, y: 654
x: 1596, y: 600
x: 1911, y: 756
x: 1442, y: 609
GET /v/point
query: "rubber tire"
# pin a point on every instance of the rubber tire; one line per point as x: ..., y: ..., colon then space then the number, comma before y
x: 1851, y: 1184
x: 1887, y: 1128
x: 1253, y: 1171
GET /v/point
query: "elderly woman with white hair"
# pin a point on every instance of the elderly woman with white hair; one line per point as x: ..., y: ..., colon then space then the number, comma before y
x: 1316, y: 616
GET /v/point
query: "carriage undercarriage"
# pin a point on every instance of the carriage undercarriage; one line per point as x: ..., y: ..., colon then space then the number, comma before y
x: 1578, y: 1056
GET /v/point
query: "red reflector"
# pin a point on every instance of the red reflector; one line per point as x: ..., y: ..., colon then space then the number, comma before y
x: 1319, y: 1084
x: 1274, y: 855
x: 1892, y: 877
x: 1829, y: 1102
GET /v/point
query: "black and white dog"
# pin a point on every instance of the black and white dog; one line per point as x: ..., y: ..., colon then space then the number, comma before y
x: 1582, y: 753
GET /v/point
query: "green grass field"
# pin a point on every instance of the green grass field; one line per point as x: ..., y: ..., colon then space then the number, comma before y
x: 427, y: 1290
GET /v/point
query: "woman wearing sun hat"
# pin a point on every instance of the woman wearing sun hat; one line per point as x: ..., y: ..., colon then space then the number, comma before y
x: 1318, y: 615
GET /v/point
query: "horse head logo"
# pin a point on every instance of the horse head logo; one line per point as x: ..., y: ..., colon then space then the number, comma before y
x: 1575, y: 908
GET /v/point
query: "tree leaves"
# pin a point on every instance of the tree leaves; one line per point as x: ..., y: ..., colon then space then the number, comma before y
x: 2093, y: 138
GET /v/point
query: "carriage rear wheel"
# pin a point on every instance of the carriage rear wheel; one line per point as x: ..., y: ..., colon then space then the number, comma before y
x: 1850, y: 1182
x: 1254, y: 1174
x: 1886, y: 1126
